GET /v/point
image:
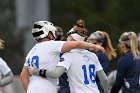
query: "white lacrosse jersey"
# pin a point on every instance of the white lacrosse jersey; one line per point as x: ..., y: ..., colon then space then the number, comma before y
x: 44, y: 55
x: 81, y: 68
x: 4, y: 69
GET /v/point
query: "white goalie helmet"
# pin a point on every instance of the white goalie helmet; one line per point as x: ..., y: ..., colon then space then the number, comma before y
x: 42, y: 28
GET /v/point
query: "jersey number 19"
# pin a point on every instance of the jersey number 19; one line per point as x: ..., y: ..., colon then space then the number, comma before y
x: 34, y: 61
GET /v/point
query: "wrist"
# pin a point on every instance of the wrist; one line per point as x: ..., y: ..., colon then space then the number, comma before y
x: 42, y: 72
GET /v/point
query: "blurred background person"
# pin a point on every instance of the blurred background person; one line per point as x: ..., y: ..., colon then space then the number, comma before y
x: 59, y: 34
x: 6, y: 75
x: 102, y: 38
x: 128, y: 72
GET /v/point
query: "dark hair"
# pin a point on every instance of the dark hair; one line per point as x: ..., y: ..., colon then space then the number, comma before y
x: 59, y: 33
x: 79, y: 28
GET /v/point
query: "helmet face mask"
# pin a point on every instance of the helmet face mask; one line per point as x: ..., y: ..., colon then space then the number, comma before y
x: 42, y: 28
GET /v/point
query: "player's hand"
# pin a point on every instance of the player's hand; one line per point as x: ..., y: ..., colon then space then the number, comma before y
x: 100, y: 48
x: 97, y: 48
x: 33, y: 71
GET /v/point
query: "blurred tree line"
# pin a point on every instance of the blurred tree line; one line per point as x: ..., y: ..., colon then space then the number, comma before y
x: 112, y: 16
x: 13, y: 51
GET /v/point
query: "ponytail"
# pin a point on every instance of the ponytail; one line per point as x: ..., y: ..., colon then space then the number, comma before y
x: 109, y: 50
x: 132, y: 42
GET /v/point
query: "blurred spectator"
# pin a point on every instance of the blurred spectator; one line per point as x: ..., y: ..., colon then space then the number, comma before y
x: 128, y: 72
x: 6, y: 75
x: 59, y: 34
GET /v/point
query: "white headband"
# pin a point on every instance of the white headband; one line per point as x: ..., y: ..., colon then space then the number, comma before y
x: 76, y: 36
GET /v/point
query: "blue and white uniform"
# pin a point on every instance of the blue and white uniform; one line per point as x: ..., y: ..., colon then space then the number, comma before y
x: 44, y: 55
x: 81, y: 66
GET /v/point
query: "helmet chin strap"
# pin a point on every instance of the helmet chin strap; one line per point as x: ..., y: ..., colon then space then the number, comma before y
x: 78, y: 37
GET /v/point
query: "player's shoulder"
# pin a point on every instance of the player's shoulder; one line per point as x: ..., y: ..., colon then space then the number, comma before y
x: 91, y: 53
x: 2, y: 62
x: 50, y: 43
x: 93, y: 57
x: 1, y: 59
x: 126, y: 58
x: 69, y: 54
x: 55, y: 42
x: 33, y: 49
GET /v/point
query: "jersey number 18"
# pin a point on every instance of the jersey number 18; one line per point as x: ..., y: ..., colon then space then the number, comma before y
x: 91, y: 69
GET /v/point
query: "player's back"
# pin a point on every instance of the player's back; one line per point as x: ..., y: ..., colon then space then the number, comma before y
x: 82, y: 71
x: 44, y: 55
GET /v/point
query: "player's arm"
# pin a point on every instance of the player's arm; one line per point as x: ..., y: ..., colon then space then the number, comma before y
x: 62, y: 66
x: 80, y: 44
x: 7, y: 79
x: 104, y: 81
x: 24, y: 76
x: 55, y: 73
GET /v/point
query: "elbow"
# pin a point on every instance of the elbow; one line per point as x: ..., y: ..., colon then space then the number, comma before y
x: 11, y: 76
x: 22, y: 76
x: 11, y: 79
x: 107, y: 83
x: 106, y: 80
x: 55, y: 76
